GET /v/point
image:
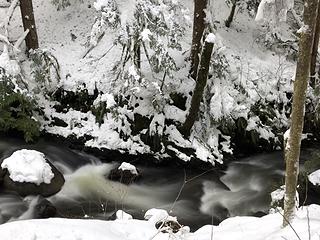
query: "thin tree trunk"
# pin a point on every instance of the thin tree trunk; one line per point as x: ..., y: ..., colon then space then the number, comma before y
x: 199, y: 24
x: 292, y: 152
x: 231, y: 16
x: 315, y: 50
x: 29, y: 23
x: 201, y: 82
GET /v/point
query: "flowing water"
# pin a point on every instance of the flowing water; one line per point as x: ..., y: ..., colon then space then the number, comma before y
x: 196, y: 198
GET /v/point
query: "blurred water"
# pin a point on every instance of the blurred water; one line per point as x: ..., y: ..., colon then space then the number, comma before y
x: 202, y: 199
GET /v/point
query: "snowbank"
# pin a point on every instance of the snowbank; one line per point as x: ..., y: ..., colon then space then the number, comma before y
x: 306, y: 224
x: 28, y: 166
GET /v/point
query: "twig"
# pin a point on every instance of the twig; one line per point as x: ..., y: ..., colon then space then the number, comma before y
x: 289, y: 224
x: 306, y: 192
x: 309, y: 232
x: 180, y: 191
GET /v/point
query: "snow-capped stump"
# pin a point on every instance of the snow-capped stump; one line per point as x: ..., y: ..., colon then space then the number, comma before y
x: 126, y: 173
x: 28, y: 172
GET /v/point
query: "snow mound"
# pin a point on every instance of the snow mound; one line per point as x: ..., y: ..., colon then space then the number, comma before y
x: 121, y: 215
x: 314, y: 178
x: 28, y: 166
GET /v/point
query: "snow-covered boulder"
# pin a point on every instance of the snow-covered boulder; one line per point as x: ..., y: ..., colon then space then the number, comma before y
x: 126, y: 173
x: 28, y: 172
x: 314, y: 184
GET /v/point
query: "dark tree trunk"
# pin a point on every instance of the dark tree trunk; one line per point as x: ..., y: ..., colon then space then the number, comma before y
x: 137, y: 55
x: 315, y: 50
x: 201, y: 82
x: 199, y: 24
x: 29, y: 23
x: 292, y: 149
x: 230, y: 18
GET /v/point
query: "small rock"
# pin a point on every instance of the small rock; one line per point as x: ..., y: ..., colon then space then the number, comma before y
x: 125, y: 173
x: 45, y: 209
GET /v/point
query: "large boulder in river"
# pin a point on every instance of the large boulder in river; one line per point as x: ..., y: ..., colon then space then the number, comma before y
x: 28, y: 172
x: 126, y: 173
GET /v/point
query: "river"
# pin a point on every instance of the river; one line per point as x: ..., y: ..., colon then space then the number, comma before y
x: 196, y: 197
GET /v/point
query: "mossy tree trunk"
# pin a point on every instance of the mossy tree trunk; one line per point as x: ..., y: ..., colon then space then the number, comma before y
x: 199, y: 24
x: 201, y: 81
x: 231, y: 15
x: 292, y: 152
x: 315, y: 50
x: 29, y: 24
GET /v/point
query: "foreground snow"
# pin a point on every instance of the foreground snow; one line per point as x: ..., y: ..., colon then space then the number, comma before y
x: 306, y: 225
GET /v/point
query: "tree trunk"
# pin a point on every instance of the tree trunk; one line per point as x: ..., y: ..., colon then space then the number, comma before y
x: 29, y: 23
x: 230, y: 18
x: 199, y: 24
x: 201, y: 82
x: 315, y: 50
x: 292, y: 152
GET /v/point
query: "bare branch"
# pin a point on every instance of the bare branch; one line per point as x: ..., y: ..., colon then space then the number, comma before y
x: 21, y: 39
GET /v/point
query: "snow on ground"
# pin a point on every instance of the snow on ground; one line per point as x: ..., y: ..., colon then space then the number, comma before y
x: 28, y: 166
x: 314, y: 178
x: 264, y: 74
x: 305, y: 226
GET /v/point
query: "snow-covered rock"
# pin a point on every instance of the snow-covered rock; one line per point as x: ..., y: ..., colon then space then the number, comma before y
x: 126, y: 173
x: 314, y: 178
x: 28, y: 166
x: 28, y: 172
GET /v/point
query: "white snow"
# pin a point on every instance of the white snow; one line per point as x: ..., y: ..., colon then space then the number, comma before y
x: 306, y: 225
x: 155, y: 215
x: 277, y: 195
x: 121, y: 215
x: 28, y: 166
x: 129, y: 167
x: 314, y: 178
x: 107, y: 98
x: 145, y: 35
x: 211, y: 38
x: 11, y: 66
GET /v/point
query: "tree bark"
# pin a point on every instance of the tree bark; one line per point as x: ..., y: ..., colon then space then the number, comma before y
x: 201, y: 82
x: 292, y: 152
x: 29, y: 23
x: 199, y: 24
x: 315, y: 50
x: 230, y: 18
